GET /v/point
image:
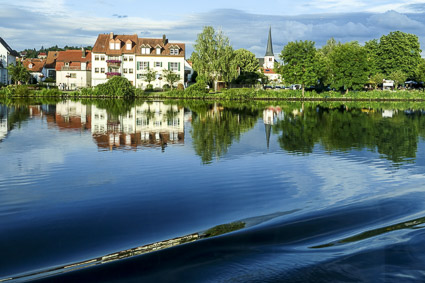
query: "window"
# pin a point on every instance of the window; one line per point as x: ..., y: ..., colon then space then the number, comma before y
x: 118, y: 46
x: 146, y: 50
x: 102, y: 70
x: 102, y: 58
x: 96, y: 70
x: 125, y: 58
x: 270, y: 59
x: 130, y: 70
x: 129, y: 46
x: 142, y: 65
x: 158, y: 50
x: 111, y: 45
x: 130, y: 59
x: 139, y: 76
x: 73, y: 75
x: 96, y: 58
x: 66, y: 65
x: 125, y: 70
x: 174, y: 51
x: 174, y: 66
x: 158, y: 64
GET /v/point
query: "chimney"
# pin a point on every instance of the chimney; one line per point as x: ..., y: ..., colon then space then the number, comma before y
x: 164, y: 39
x: 111, y: 35
x: 84, y: 52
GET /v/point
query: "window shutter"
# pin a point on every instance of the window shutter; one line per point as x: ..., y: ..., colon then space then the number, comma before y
x: 161, y: 64
x: 179, y: 67
x: 138, y: 66
x: 169, y: 66
x: 148, y: 65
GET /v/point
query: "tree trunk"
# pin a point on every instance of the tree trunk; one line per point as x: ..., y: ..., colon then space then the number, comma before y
x: 303, y: 90
x: 346, y: 91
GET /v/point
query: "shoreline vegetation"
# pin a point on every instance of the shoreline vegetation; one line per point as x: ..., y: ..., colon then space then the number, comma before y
x: 227, y: 94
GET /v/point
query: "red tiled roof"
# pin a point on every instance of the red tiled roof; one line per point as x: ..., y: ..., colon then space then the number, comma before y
x: 51, y: 59
x: 103, y: 40
x: 36, y: 65
x: 74, y: 58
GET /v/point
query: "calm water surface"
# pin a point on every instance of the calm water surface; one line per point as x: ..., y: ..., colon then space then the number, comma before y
x: 207, y: 192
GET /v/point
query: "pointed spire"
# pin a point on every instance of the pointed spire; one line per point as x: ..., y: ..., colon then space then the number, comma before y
x: 269, y: 51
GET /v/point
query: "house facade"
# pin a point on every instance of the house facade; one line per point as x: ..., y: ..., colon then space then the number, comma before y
x: 7, y: 57
x: 36, y: 69
x: 73, y: 69
x: 50, y: 66
x: 132, y: 57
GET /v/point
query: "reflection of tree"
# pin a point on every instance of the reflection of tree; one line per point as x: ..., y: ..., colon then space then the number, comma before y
x: 214, y: 131
x: 341, y: 129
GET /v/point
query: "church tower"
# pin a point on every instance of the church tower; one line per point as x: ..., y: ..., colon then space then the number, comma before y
x: 269, y: 57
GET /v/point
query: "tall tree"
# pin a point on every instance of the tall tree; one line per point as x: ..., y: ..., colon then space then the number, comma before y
x: 399, y: 51
x: 349, y: 67
x: 150, y: 75
x: 420, y: 71
x: 170, y: 77
x: 299, y: 63
x: 372, y: 48
x: 18, y: 73
x: 212, y: 57
x: 246, y: 61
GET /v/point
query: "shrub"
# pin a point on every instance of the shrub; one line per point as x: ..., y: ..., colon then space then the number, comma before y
x: 199, y: 88
x: 116, y: 86
x: 180, y: 87
x: 21, y: 90
x: 166, y: 87
x: 149, y: 87
x: 157, y: 89
x: 139, y: 92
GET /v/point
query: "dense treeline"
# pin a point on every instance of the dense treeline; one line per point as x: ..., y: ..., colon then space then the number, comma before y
x: 351, y: 66
x: 33, y: 53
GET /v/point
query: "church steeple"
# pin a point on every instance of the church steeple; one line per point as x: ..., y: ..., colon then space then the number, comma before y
x: 269, y: 51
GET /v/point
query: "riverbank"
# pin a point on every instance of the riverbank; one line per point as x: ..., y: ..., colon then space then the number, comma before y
x: 229, y: 94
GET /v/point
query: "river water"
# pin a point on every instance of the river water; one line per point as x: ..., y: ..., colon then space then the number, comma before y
x: 193, y: 191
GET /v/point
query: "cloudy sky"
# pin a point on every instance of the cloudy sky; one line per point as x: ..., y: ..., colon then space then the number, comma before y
x: 36, y: 23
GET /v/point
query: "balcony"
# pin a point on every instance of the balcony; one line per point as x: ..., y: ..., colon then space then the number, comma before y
x: 113, y: 63
x: 112, y: 74
x: 71, y: 68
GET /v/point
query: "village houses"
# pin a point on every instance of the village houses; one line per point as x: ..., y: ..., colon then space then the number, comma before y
x: 7, y: 57
x: 131, y: 57
x: 73, y: 69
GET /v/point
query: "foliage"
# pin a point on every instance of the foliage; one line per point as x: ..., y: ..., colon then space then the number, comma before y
x: 116, y: 86
x: 19, y: 73
x: 180, y: 87
x: 246, y: 61
x: 199, y: 88
x: 399, y: 77
x: 150, y: 75
x: 300, y: 65
x: 420, y: 71
x: 399, y: 51
x: 349, y: 67
x: 224, y: 228
x: 166, y: 87
x: 213, y: 57
x: 372, y: 49
x: 377, y: 79
x: 149, y: 87
x: 170, y: 77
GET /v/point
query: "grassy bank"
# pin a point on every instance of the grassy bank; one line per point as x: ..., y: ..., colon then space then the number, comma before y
x: 231, y: 94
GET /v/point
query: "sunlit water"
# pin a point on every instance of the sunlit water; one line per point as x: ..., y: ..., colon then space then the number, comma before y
x: 95, y: 191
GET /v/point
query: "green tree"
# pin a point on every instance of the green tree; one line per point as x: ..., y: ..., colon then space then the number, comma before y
x: 213, y: 56
x: 376, y: 79
x: 399, y: 77
x: 299, y: 63
x: 420, y: 71
x: 372, y: 48
x: 348, y: 63
x: 246, y: 61
x: 329, y: 46
x: 170, y: 77
x: 116, y: 86
x: 18, y: 73
x: 150, y: 75
x: 399, y: 51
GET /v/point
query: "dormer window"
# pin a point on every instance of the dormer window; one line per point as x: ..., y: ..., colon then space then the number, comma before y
x: 117, y: 45
x: 146, y: 49
x: 128, y: 46
x: 30, y: 66
x: 112, y: 45
x: 174, y: 50
x: 158, y: 50
x: 66, y: 64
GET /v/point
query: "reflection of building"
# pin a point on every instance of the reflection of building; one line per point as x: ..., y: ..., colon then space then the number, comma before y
x: 270, y: 117
x: 72, y: 115
x: 4, y: 129
x: 150, y: 125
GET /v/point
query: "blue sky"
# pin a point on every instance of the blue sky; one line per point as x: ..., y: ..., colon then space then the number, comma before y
x: 36, y: 23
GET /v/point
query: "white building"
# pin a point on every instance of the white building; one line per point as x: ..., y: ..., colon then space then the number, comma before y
x: 36, y: 69
x: 131, y: 57
x: 7, y: 57
x: 267, y: 63
x: 73, y: 69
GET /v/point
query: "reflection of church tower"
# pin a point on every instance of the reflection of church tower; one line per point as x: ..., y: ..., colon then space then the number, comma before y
x: 269, y: 57
x: 268, y: 119
x: 268, y: 133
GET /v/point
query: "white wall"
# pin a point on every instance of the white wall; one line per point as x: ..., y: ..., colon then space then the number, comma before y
x: 141, y: 83
x: 82, y: 79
